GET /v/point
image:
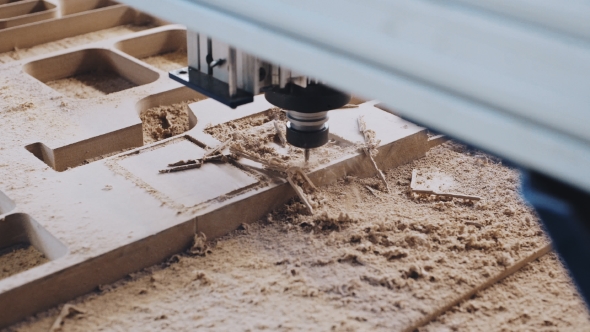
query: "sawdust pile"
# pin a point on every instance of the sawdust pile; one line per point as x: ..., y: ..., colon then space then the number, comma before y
x: 538, y: 298
x: 165, y: 121
x: 91, y: 85
x: 19, y: 54
x: 364, y: 261
x: 19, y: 259
x: 168, y: 61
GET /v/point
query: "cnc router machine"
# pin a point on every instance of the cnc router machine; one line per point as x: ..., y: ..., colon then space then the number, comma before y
x: 508, y: 77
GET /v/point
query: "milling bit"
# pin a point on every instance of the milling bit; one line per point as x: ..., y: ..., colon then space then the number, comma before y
x: 306, y: 155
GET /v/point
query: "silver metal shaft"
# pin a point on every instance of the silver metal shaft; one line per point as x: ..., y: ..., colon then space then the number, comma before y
x: 306, y: 155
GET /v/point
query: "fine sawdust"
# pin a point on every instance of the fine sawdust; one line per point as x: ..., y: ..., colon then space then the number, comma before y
x: 19, y: 259
x: 364, y: 261
x: 20, y: 54
x: 91, y: 85
x: 168, y: 61
x: 165, y: 121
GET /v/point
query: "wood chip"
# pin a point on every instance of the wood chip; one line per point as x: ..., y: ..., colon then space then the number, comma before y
x: 183, y: 162
x: 372, y: 191
x: 67, y: 311
x: 272, y: 164
x: 300, y: 171
x: 299, y: 192
x: 180, y: 168
x: 280, y: 133
x: 217, y: 149
x: 435, y: 193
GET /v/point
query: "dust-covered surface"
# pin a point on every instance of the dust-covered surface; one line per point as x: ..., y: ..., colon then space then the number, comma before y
x: 165, y: 121
x: 538, y: 298
x: 91, y: 85
x: 366, y: 260
x: 19, y: 259
x: 65, y: 43
x: 168, y: 61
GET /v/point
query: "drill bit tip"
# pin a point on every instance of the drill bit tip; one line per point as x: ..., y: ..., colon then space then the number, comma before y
x: 306, y: 155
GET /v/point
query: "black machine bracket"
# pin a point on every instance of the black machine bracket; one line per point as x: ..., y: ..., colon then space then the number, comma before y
x: 210, y: 87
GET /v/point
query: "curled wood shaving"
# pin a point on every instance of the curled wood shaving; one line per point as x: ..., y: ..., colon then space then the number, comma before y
x: 280, y: 133
x: 370, y: 148
x: 200, y: 246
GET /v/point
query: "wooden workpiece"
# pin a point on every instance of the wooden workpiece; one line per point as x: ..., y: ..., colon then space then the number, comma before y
x: 90, y: 198
x: 97, y: 220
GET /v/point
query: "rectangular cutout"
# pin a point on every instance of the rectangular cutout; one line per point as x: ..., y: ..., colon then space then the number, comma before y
x: 18, y: 258
x: 24, y: 244
x: 164, y: 50
x: 25, y: 12
x: 26, y: 36
x: 90, y: 73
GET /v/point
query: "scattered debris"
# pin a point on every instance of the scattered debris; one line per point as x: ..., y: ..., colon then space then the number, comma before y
x: 370, y: 148
x: 427, y: 192
x: 277, y: 165
x: 200, y: 246
x: 211, y: 155
x: 107, y: 187
x: 68, y: 311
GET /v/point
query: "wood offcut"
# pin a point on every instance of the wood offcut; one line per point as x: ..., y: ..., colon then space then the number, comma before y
x: 436, y: 193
